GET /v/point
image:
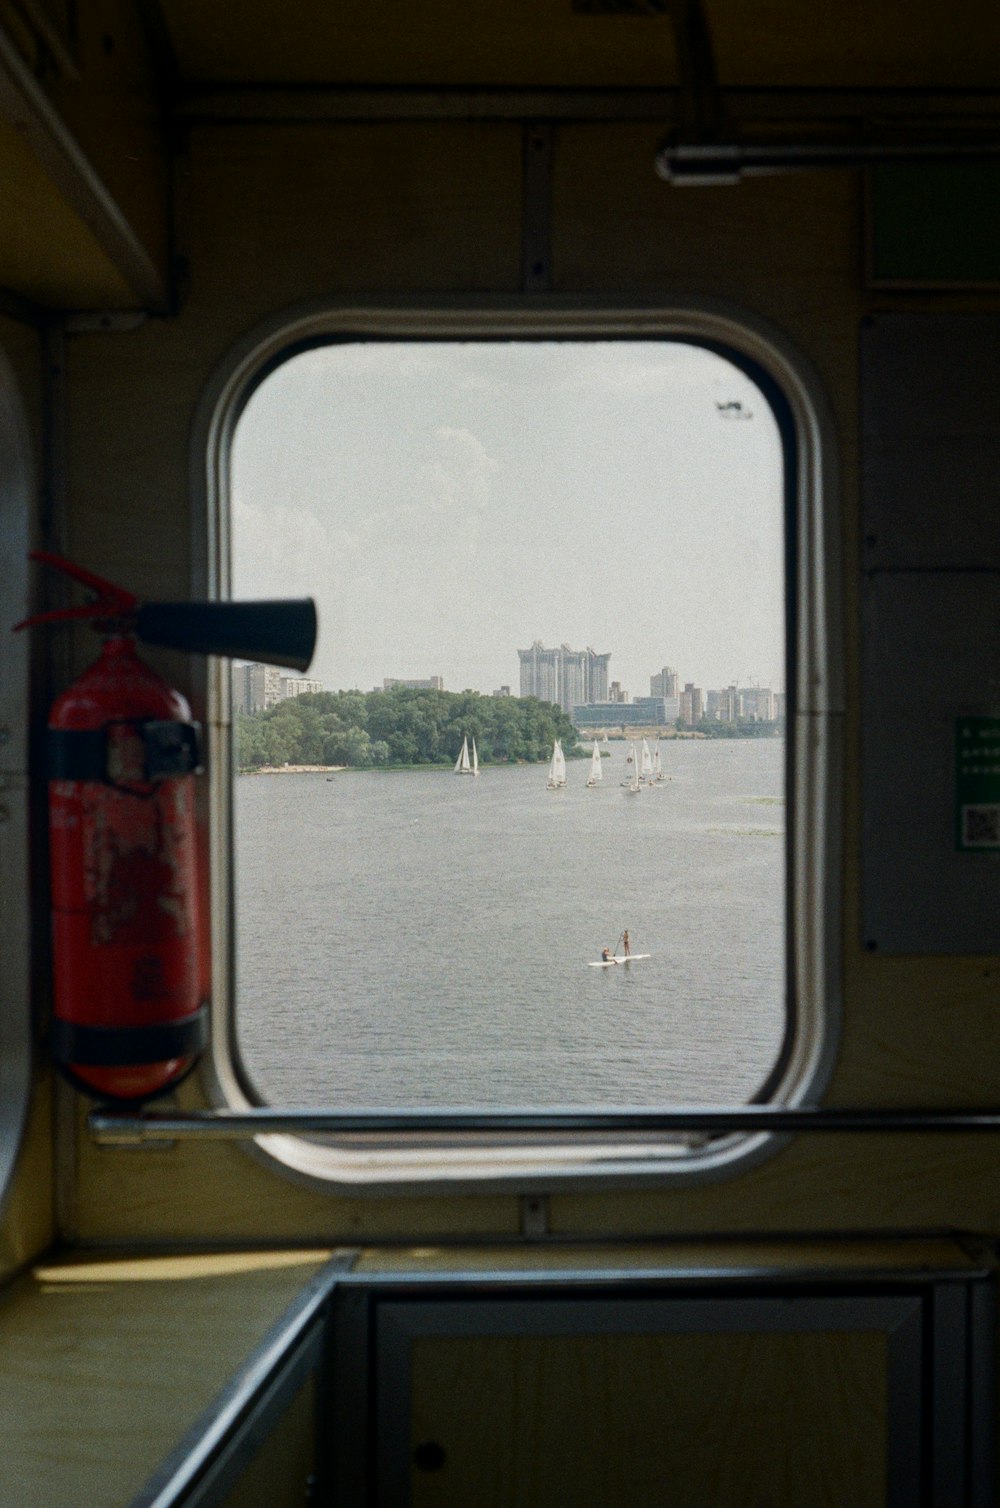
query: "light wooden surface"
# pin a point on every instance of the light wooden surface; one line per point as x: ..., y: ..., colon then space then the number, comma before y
x: 659, y: 1259
x: 108, y: 1361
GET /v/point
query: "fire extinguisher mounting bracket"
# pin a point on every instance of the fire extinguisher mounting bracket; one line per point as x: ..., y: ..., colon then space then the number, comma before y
x: 105, y: 1046
x: 125, y: 752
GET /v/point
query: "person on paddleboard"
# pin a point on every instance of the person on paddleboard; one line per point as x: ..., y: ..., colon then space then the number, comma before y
x: 626, y: 949
x: 606, y: 955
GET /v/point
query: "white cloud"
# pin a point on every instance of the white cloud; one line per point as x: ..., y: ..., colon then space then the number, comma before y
x: 460, y: 476
x: 449, y: 503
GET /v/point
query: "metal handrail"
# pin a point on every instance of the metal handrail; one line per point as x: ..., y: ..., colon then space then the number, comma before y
x: 110, y: 1126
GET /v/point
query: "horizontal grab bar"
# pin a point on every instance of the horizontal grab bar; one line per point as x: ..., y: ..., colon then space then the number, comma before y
x: 116, y: 1127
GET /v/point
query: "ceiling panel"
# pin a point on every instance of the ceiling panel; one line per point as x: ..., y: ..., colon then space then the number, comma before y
x: 508, y: 42
x: 856, y: 43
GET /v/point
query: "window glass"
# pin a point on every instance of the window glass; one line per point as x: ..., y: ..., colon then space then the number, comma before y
x: 512, y: 543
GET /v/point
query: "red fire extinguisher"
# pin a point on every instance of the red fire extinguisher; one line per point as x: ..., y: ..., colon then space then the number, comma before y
x: 129, y: 1020
x: 130, y: 1013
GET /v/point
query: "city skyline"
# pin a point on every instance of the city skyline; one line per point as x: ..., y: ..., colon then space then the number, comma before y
x: 435, y: 499
x: 273, y: 684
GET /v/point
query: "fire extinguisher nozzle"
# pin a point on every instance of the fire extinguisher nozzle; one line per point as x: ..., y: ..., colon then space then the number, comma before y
x: 281, y: 632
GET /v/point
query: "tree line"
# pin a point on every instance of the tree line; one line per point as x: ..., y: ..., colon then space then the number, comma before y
x: 400, y: 726
x: 713, y: 729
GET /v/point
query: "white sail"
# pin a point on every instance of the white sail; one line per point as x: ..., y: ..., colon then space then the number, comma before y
x: 475, y: 759
x: 657, y: 766
x: 557, y: 768
x: 632, y: 787
x: 646, y: 767
x: 596, y: 773
x: 462, y: 765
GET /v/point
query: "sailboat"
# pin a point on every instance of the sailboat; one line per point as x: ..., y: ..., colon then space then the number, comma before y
x: 646, y: 767
x: 657, y: 766
x: 596, y: 773
x: 463, y: 764
x: 557, y: 768
x: 632, y: 787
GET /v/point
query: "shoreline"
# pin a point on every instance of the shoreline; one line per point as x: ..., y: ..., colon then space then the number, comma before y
x: 295, y: 769
x: 578, y: 756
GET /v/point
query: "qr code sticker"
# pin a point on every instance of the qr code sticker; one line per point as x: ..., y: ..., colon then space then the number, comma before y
x: 981, y: 826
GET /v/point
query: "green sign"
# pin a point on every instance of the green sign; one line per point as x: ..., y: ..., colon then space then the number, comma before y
x: 977, y: 784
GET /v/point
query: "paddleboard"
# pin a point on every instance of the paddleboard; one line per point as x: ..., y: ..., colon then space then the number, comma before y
x: 609, y: 963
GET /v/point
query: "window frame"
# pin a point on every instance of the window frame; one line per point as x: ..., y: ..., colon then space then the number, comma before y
x: 17, y: 470
x: 525, y: 1162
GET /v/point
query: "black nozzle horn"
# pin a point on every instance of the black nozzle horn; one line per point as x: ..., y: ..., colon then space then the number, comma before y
x: 282, y: 632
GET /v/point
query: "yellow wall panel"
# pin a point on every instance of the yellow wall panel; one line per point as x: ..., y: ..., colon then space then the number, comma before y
x: 281, y: 215
x: 47, y: 254
x: 115, y: 114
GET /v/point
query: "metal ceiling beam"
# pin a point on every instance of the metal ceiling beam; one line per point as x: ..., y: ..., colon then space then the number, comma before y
x: 30, y: 111
x: 970, y: 110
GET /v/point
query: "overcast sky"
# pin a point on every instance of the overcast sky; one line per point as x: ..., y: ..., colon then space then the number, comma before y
x: 447, y: 504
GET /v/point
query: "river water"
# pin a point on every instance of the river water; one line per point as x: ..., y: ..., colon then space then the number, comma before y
x: 420, y: 938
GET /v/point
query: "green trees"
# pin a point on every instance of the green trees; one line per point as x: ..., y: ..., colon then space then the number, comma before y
x: 399, y: 726
x: 714, y: 729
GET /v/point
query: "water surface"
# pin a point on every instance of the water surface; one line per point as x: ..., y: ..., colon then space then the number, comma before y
x: 420, y: 938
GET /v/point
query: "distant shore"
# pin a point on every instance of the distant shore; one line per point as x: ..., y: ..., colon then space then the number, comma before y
x: 295, y: 769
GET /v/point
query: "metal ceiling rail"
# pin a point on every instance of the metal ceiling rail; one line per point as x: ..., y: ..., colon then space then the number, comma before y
x: 117, y: 1127
x: 728, y: 162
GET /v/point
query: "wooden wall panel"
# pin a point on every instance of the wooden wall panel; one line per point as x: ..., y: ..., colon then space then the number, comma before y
x: 279, y: 1473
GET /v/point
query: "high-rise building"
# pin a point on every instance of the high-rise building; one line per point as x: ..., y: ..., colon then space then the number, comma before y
x: 692, y: 705
x: 299, y: 685
x: 664, y: 683
x: 757, y: 704
x: 729, y: 705
x: 568, y: 677
x: 258, y: 686
x: 432, y: 683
